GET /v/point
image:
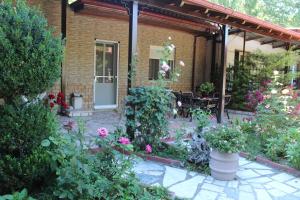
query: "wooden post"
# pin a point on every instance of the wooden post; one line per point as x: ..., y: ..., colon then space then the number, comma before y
x: 194, y: 63
x: 63, y: 36
x: 213, y: 59
x: 220, y: 115
x: 132, y: 44
x: 132, y: 50
x: 244, y: 49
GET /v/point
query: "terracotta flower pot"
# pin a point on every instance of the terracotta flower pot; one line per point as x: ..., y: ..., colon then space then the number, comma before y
x: 223, y: 165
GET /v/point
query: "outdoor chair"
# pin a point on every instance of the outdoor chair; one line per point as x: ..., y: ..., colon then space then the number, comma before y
x: 200, y: 103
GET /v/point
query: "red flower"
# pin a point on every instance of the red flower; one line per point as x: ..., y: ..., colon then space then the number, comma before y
x: 58, y: 101
x: 51, y: 104
x: 65, y: 105
x: 51, y: 96
x: 61, y: 95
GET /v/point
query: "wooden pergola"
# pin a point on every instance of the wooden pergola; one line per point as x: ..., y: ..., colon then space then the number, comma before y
x: 200, y: 17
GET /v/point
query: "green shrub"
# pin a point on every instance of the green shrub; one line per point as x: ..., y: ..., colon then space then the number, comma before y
x: 30, y: 56
x: 103, y: 175
x: 23, y: 195
x: 146, y: 113
x: 226, y: 139
x: 201, y: 117
x: 23, y: 163
x: 293, y: 152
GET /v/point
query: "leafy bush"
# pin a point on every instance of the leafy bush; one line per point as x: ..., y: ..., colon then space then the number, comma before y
x: 23, y: 163
x: 147, y: 107
x: 201, y: 117
x: 226, y: 139
x: 23, y: 195
x: 146, y: 114
x: 293, y: 152
x: 30, y: 56
x: 103, y: 175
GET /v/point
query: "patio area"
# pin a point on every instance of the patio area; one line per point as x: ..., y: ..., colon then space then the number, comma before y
x: 112, y: 119
x: 254, y: 181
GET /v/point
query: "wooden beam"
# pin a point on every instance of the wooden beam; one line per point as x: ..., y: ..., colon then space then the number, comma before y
x: 267, y: 42
x: 220, y: 116
x: 254, y: 38
x: 205, y: 16
x: 279, y: 45
x: 234, y: 31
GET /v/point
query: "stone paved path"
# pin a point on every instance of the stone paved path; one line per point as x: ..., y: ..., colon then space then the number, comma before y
x: 253, y: 182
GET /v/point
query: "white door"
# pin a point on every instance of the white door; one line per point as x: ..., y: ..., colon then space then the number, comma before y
x: 106, y: 74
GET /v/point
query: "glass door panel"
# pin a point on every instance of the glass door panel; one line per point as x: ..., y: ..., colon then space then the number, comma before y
x: 106, y: 74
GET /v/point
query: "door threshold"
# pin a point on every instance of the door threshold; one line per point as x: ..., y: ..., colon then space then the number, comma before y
x: 106, y: 107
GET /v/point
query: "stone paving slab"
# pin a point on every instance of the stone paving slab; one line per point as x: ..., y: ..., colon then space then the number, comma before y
x: 255, y: 182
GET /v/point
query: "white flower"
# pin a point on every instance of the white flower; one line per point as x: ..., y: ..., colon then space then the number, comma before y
x: 179, y: 103
x: 162, y: 72
x: 275, y: 72
x: 171, y: 47
x: 285, y: 91
x: 284, y: 102
x: 177, y: 74
x: 165, y: 66
x: 169, y: 38
x: 181, y: 63
x: 273, y: 91
x: 174, y: 111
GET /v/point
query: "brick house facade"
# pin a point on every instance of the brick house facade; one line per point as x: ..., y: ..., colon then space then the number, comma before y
x: 86, y: 27
x: 79, y: 63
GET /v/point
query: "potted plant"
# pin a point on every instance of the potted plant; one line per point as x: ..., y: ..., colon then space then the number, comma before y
x: 206, y: 88
x: 226, y: 142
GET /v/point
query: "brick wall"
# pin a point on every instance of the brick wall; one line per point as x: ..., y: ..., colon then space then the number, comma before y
x: 82, y: 30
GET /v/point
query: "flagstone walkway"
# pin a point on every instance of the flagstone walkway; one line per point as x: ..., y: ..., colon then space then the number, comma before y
x: 254, y: 182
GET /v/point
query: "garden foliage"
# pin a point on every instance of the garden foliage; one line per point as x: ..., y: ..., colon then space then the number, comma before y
x: 275, y: 130
x: 30, y: 56
x: 105, y: 174
x: 251, y: 77
x: 226, y: 139
x: 147, y: 107
x: 23, y: 163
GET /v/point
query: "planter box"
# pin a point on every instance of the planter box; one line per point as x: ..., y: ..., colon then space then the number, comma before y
x: 223, y: 165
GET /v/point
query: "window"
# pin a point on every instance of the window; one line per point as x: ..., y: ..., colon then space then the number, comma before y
x: 156, y: 54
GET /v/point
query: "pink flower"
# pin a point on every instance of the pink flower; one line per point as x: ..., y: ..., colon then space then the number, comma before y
x: 148, y: 148
x: 102, y: 132
x: 69, y: 125
x: 124, y: 140
x: 165, y: 66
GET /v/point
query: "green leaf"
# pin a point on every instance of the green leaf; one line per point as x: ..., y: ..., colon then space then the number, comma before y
x: 45, y: 143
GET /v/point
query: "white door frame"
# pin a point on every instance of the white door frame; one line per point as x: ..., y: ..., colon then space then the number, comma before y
x: 117, y: 89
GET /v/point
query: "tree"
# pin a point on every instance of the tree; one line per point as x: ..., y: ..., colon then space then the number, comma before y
x: 284, y: 12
